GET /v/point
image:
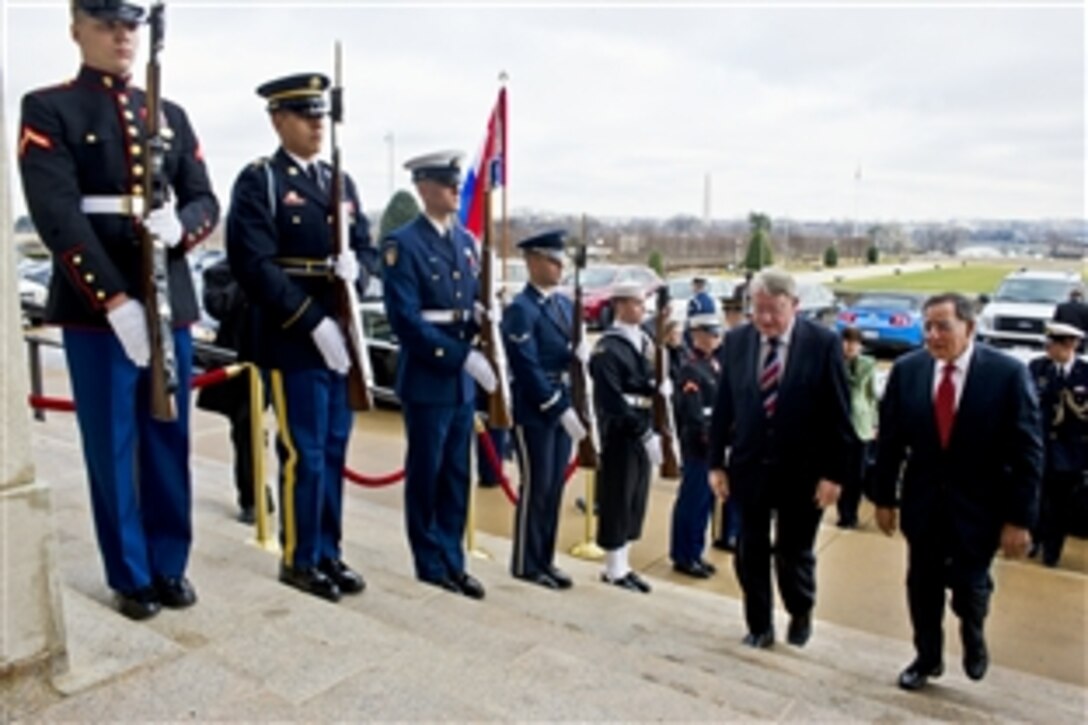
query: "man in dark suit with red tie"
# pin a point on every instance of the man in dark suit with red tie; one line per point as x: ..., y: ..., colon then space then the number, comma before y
x: 961, y: 453
x: 783, y: 412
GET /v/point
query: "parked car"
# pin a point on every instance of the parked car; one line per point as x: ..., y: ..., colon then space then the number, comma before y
x: 817, y: 302
x: 598, y: 281
x: 383, y: 349
x: 1017, y: 313
x: 680, y: 292
x: 888, y: 321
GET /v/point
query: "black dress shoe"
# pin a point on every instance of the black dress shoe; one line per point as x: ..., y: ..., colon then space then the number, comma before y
x: 759, y: 640
x: 247, y: 515
x: 560, y: 577
x: 310, y: 580
x: 711, y: 570
x: 540, y: 579
x: 800, y: 630
x: 693, y: 569
x: 445, y: 583
x: 641, y: 584
x: 624, y: 582
x: 976, y: 660
x: 725, y: 544
x: 469, y: 585
x: 350, y: 582
x: 917, y: 675
x: 175, y: 592
x: 138, y: 604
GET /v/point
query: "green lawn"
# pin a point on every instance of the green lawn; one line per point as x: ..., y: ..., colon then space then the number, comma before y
x: 970, y: 279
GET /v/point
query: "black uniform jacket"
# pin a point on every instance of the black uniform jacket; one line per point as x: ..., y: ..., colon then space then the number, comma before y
x: 83, y: 138
x: 280, y: 242
x: 1063, y: 400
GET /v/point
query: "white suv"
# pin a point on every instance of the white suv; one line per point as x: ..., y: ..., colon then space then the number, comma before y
x: 1025, y: 301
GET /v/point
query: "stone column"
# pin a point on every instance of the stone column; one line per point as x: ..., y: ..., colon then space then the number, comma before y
x: 32, y: 640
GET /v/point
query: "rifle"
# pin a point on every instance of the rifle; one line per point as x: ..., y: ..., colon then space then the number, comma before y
x: 153, y: 251
x: 664, y: 424
x: 346, y: 312
x: 579, y: 374
x: 498, y: 402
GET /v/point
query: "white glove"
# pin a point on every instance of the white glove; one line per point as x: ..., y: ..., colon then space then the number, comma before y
x: 479, y: 312
x: 129, y: 323
x: 652, y: 444
x: 164, y: 224
x: 346, y: 266
x: 582, y: 351
x: 572, y: 425
x: 479, y: 368
x: 330, y: 343
x: 665, y: 388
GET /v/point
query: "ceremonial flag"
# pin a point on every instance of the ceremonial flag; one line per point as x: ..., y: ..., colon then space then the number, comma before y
x: 488, y: 170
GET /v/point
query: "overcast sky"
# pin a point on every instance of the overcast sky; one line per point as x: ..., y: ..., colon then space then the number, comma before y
x: 620, y: 109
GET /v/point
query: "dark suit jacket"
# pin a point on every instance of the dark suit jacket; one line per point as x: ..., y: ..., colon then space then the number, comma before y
x: 991, y: 471
x: 811, y: 433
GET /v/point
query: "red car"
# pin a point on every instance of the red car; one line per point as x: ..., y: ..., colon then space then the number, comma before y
x: 598, y: 281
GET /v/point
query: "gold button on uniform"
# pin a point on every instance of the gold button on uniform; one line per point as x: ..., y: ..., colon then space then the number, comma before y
x: 135, y: 149
x: 107, y: 81
x: 77, y: 260
x: 439, y: 352
x: 137, y: 170
x: 137, y: 190
x: 100, y: 295
x: 88, y: 278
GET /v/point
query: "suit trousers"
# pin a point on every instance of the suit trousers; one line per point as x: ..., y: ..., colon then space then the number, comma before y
x: 436, y: 486
x: 543, y: 453
x: 314, y: 423
x: 934, y: 564
x: 138, y: 467
x: 796, y: 520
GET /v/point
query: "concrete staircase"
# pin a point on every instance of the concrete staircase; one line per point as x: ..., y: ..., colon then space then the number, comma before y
x: 253, y: 649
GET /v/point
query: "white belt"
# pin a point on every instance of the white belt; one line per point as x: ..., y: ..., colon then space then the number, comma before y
x: 446, y: 317
x: 638, y: 401
x: 125, y: 205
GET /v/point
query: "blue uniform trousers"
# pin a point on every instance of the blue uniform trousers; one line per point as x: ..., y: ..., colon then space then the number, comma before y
x: 543, y: 455
x: 138, y: 467
x: 691, y: 513
x: 436, y: 486
x: 314, y: 423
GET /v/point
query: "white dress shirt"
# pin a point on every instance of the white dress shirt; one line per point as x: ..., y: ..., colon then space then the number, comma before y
x: 784, y: 341
x: 959, y: 377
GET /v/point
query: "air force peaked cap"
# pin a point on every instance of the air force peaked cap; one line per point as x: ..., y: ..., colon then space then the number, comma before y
x: 1062, y: 329
x: 302, y: 93
x: 110, y: 10
x: 443, y: 167
x: 549, y: 244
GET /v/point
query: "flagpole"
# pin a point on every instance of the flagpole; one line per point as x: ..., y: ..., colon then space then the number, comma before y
x: 503, y: 77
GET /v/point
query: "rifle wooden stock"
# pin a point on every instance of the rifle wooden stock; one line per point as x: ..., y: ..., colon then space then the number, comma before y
x: 663, y: 411
x: 498, y: 402
x: 153, y: 251
x: 346, y: 312
x: 579, y: 374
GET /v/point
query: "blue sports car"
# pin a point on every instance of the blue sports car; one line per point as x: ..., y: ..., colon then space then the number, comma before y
x: 888, y: 321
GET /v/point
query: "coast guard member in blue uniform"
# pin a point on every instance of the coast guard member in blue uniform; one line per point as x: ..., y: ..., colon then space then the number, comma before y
x: 280, y: 237
x: 80, y: 159
x: 536, y: 331
x: 430, y: 266
x: 697, y: 388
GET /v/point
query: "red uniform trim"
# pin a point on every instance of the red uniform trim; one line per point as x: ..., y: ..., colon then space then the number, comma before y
x: 32, y: 136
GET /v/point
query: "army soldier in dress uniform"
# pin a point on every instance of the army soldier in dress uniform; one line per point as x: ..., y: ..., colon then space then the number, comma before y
x: 280, y: 238
x: 1062, y: 381
x: 623, y: 386
x: 429, y: 281
x: 697, y: 389
x: 80, y: 146
x: 536, y: 330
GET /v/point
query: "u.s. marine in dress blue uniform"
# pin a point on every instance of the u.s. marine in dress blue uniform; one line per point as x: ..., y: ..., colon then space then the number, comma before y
x: 536, y: 331
x: 429, y: 275
x: 82, y: 170
x: 280, y: 239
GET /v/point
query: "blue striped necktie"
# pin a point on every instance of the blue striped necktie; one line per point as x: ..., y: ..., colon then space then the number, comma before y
x: 769, y: 375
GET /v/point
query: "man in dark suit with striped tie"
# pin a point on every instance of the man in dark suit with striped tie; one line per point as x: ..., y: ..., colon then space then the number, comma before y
x: 960, y: 451
x: 783, y: 414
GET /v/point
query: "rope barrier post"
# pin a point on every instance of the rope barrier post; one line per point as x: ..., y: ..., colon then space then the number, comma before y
x: 587, y: 548
x: 34, y: 352
x: 470, y: 522
x: 256, y: 441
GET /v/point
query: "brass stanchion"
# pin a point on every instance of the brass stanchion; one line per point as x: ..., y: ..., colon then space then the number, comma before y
x: 587, y: 548
x: 264, y: 538
x: 470, y: 523
x: 717, y: 513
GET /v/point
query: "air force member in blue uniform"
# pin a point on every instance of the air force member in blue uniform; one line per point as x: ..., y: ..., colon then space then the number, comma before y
x: 80, y: 146
x: 280, y: 242
x: 430, y: 268
x: 536, y: 331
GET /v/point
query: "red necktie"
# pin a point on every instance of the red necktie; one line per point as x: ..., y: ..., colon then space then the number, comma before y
x: 945, y: 404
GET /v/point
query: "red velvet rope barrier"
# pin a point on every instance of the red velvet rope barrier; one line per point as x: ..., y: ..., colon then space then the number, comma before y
x: 493, y: 460
x: 44, y: 402
x: 373, y: 481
